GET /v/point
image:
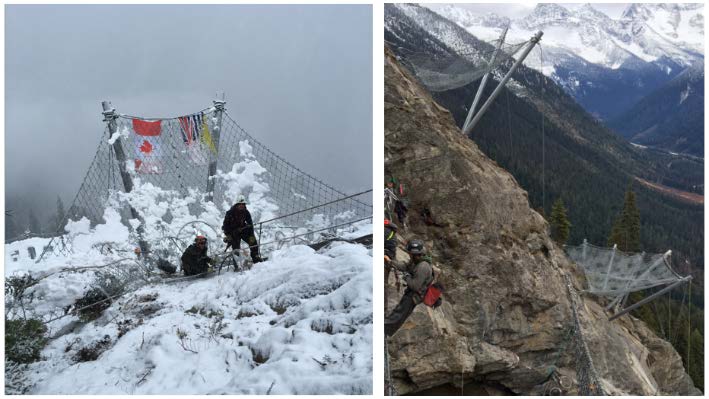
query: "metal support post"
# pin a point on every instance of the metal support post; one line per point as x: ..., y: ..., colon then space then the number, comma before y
x: 610, y: 266
x: 650, y: 298
x: 219, y: 106
x: 109, y: 116
x: 484, y: 81
x: 535, y: 39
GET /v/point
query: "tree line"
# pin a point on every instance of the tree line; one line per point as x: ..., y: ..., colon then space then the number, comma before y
x: 20, y: 221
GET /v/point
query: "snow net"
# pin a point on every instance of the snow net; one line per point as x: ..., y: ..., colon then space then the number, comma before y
x: 444, y: 72
x: 169, y: 179
x: 614, y: 273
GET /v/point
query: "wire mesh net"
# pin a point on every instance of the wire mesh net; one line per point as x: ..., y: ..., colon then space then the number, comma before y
x: 612, y: 273
x: 586, y: 375
x: 442, y: 72
x: 208, y: 158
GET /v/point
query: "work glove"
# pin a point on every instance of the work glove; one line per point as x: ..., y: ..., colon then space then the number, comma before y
x: 386, y: 260
x: 227, y: 238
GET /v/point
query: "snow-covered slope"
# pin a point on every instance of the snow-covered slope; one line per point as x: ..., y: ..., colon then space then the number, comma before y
x: 681, y: 25
x: 298, y: 323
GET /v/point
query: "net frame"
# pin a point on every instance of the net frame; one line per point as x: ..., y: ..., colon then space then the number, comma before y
x: 180, y: 163
x: 443, y: 72
x: 614, y: 274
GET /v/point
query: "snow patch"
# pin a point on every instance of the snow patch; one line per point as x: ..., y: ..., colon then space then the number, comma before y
x: 685, y: 93
x: 300, y: 323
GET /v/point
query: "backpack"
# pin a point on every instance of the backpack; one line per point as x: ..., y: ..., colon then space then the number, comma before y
x: 432, y: 297
x: 166, y: 266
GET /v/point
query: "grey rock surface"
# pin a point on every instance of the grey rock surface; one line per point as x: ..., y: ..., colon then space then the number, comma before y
x: 506, y: 318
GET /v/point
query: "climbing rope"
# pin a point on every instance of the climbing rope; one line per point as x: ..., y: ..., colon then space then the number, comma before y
x: 509, y: 123
x: 681, y: 306
x: 541, y: 66
x: 689, y: 326
x: 315, y: 207
x: 389, y: 389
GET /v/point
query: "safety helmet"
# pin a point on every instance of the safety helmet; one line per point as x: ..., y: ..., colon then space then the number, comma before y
x: 388, y: 223
x: 241, y: 200
x: 415, y: 247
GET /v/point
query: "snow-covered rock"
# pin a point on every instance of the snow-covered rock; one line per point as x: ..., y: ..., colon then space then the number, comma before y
x: 299, y: 323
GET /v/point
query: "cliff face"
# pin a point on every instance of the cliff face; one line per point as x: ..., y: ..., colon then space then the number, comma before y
x: 507, y: 318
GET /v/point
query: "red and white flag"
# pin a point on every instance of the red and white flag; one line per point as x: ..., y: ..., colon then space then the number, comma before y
x: 148, y: 152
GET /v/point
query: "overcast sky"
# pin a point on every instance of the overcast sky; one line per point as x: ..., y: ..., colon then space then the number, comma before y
x: 519, y: 10
x: 298, y: 78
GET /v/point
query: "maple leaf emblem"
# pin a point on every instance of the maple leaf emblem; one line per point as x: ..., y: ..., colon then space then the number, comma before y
x: 146, y: 147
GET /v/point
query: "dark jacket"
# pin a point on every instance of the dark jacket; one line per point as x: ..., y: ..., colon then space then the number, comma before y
x: 419, y: 276
x: 390, y: 242
x: 238, y: 223
x: 195, y: 260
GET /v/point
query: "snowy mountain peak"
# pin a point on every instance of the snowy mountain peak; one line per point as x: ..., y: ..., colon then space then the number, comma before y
x: 679, y: 25
x: 547, y: 13
x: 646, y: 33
x: 633, y: 12
x: 587, y: 12
x: 464, y: 17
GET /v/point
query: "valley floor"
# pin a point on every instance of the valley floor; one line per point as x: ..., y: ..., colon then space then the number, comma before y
x: 693, y: 198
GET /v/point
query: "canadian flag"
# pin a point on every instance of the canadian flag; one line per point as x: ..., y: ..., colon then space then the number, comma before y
x: 148, y: 152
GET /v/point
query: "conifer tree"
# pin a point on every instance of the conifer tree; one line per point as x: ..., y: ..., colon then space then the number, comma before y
x: 560, y: 224
x: 11, y: 230
x: 626, y: 229
x: 61, y: 215
x: 34, y: 223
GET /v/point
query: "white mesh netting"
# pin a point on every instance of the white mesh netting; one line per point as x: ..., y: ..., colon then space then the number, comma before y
x: 612, y: 273
x: 202, y: 163
x: 450, y: 71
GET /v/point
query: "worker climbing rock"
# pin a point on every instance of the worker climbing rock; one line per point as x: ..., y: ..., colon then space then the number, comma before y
x: 419, y: 275
x: 401, y: 209
x: 400, y: 203
x: 195, y: 259
x: 389, y: 246
x: 238, y: 227
x: 390, y: 243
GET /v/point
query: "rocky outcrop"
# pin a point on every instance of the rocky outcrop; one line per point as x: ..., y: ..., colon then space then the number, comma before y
x: 506, y: 321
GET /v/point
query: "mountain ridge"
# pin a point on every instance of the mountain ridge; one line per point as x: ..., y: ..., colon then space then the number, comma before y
x: 597, y: 58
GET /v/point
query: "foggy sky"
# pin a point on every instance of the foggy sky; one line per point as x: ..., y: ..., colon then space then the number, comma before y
x: 297, y: 78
